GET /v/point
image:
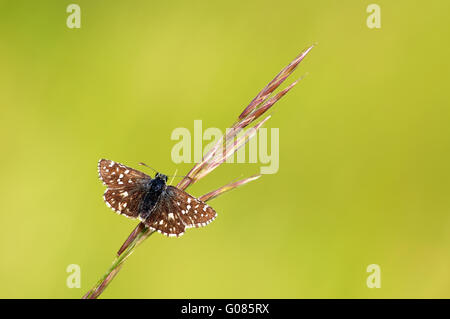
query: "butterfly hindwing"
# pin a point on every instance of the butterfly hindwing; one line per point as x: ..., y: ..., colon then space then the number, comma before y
x: 123, y: 201
x: 166, y: 219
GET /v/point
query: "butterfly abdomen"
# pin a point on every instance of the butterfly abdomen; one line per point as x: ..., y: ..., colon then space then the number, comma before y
x: 152, y: 194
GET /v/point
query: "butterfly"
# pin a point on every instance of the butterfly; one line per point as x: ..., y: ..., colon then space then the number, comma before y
x: 161, y: 207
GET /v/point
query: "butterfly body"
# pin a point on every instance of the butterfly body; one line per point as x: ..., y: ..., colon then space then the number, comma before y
x: 161, y: 207
x: 152, y: 192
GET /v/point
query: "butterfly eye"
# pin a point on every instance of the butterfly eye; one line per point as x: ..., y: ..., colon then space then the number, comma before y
x: 161, y: 176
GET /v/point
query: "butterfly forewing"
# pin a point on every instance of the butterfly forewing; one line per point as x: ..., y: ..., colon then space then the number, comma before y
x: 194, y: 212
x: 116, y: 175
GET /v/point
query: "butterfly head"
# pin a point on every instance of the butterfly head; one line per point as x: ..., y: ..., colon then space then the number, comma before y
x: 161, y: 177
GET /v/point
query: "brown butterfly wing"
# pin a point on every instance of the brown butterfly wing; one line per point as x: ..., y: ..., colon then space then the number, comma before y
x: 125, y: 187
x: 176, y: 210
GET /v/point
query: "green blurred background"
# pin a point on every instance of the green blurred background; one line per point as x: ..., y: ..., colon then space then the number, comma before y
x: 364, y: 146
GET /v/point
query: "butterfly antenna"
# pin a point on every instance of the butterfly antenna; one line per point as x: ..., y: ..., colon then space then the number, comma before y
x: 190, y: 178
x: 173, y: 177
x: 182, y: 176
x: 143, y: 164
